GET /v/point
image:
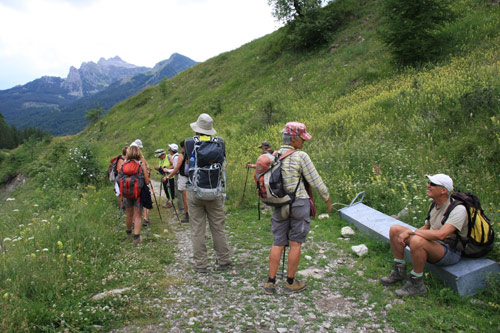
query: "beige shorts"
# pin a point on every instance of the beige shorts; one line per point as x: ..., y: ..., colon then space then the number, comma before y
x: 182, y: 182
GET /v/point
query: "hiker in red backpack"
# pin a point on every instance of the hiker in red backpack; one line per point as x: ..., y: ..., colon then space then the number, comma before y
x: 290, y: 223
x: 266, y: 148
x: 434, y: 242
x: 132, y: 176
x: 147, y: 203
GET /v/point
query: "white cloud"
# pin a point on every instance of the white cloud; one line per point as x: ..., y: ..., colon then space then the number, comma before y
x: 46, y: 37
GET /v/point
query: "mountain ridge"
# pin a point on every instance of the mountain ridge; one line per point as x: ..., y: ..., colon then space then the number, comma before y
x: 52, y: 103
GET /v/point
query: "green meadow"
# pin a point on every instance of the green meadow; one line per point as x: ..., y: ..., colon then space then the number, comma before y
x: 377, y: 128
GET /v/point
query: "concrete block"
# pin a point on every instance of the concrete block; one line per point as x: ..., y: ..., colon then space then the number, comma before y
x: 465, y: 277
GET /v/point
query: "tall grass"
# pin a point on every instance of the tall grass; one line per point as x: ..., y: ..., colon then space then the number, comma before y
x: 61, y: 245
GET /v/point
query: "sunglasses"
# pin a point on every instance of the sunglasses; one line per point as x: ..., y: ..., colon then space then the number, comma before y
x: 432, y: 184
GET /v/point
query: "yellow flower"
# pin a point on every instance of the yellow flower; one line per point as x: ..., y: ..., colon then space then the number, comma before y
x: 68, y: 257
x: 59, y: 244
x: 6, y: 295
x: 33, y: 255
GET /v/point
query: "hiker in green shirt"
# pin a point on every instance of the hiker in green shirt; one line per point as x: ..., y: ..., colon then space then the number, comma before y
x: 168, y: 184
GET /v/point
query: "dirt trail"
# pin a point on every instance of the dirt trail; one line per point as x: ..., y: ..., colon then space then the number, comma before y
x: 233, y: 301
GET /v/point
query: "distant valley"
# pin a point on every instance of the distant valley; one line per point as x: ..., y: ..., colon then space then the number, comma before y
x: 59, y: 105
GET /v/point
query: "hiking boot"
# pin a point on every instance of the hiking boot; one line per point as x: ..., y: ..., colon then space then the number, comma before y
x: 185, y: 219
x: 202, y: 270
x: 224, y: 267
x: 167, y: 204
x: 129, y: 235
x: 146, y: 222
x: 270, y: 288
x: 414, y: 286
x: 137, y: 241
x: 295, y: 287
x: 398, y: 273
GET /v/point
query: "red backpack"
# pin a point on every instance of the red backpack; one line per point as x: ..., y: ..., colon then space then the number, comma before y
x: 270, y: 187
x: 131, y: 179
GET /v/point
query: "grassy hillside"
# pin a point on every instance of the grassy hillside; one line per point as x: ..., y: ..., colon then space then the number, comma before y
x: 376, y: 128
x: 360, y: 110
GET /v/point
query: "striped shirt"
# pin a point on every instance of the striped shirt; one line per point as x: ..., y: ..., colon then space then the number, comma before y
x: 291, y: 168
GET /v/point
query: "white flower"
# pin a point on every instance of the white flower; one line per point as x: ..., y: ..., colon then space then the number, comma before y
x: 45, y: 250
x: 31, y: 238
x: 11, y: 199
x: 7, y: 239
x: 15, y: 210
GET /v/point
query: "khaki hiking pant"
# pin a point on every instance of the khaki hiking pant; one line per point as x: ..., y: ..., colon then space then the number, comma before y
x: 178, y: 194
x: 199, y: 212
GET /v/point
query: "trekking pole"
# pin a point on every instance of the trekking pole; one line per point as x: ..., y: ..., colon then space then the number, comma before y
x: 258, y: 207
x: 283, y: 265
x: 245, y: 187
x: 175, y: 210
x: 154, y: 195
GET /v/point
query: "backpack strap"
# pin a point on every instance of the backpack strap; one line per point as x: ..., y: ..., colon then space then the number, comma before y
x: 283, y: 156
x: 453, y: 204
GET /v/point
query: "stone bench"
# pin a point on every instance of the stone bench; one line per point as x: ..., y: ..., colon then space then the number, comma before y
x: 465, y: 277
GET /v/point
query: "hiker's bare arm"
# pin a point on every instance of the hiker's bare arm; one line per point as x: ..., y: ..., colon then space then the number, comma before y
x: 177, y: 167
x: 329, y: 204
x: 147, y: 179
x: 119, y: 164
x: 440, y: 234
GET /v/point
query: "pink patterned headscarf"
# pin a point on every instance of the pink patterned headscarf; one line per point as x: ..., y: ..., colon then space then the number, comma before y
x: 294, y: 128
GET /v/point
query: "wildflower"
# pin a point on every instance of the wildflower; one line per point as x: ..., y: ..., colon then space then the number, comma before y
x: 33, y: 255
x: 7, y: 239
x: 59, y: 244
x: 6, y: 296
x: 10, y: 199
x: 15, y: 210
x: 45, y: 221
x: 45, y: 250
x: 68, y: 257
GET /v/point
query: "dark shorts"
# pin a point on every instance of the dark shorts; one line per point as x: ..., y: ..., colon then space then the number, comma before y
x: 450, y: 257
x: 295, y: 227
x: 131, y: 202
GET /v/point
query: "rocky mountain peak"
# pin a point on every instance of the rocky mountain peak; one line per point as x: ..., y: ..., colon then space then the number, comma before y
x: 116, y: 61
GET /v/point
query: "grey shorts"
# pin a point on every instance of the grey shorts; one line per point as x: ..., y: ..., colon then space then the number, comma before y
x: 131, y: 202
x: 295, y: 227
x: 450, y: 257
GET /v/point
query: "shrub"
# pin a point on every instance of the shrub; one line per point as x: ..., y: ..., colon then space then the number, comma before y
x: 411, y: 29
x: 315, y: 28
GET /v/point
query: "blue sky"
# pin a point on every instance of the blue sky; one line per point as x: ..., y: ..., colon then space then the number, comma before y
x: 46, y: 37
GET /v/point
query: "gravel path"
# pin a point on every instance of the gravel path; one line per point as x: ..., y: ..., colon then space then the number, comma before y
x: 233, y: 301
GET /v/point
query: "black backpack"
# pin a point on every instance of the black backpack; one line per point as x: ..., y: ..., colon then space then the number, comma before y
x: 207, y: 173
x: 480, y: 236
